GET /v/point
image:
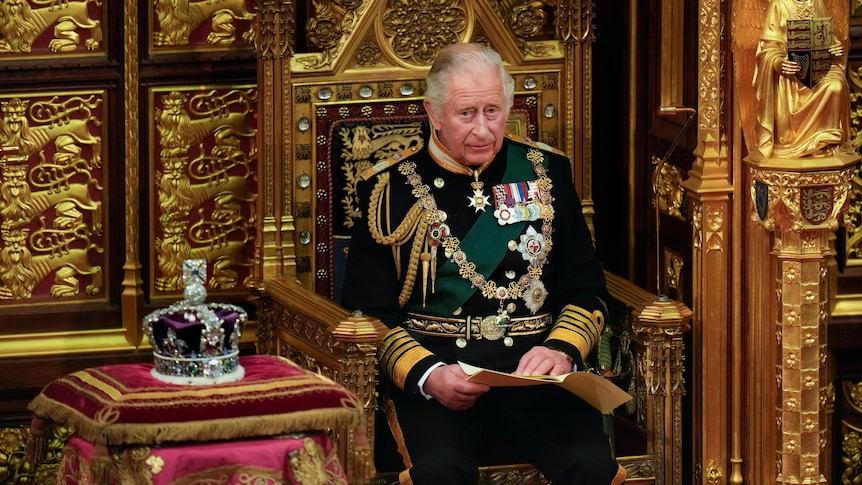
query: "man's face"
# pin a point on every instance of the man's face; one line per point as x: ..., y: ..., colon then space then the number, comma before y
x: 472, y: 123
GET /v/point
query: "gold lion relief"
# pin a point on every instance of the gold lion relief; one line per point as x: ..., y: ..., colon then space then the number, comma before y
x: 21, y: 24
x: 51, y: 219
x: 178, y: 19
x: 205, y: 184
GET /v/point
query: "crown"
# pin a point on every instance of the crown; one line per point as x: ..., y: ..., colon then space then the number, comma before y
x: 195, y: 342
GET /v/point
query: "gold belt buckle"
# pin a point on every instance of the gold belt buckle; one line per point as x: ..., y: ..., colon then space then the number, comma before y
x: 491, y: 328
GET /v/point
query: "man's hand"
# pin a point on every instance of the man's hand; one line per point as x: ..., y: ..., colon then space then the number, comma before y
x: 541, y: 361
x: 836, y: 49
x: 448, y: 384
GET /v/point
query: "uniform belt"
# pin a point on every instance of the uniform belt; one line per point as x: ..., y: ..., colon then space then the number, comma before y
x: 477, y: 328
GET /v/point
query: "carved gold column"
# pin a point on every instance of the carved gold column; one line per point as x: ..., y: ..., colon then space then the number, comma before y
x: 575, y: 32
x: 132, y: 297
x: 710, y: 188
x: 276, y: 25
x: 662, y: 325
x: 801, y: 201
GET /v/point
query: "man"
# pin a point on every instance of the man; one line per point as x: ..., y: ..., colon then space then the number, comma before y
x: 474, y: 248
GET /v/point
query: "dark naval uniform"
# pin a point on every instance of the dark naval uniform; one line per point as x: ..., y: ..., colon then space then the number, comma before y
x: 479, y: 268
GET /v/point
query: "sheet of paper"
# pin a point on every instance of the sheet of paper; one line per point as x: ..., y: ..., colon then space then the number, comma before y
x: 599, y: 392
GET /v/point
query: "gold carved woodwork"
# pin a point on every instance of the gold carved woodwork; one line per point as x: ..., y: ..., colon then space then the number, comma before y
x: 204, y: 183
x: 717, y: 441
x: 851, y: 457
x: 661, y: 325
x: 853, y: 241
x: 672, y: 271
x: 76, y: 27
x: 669, y: 194
x: 221, y: 23
x: 802, y: 209
x: 51, y: 197
x: 16, y: 464
x: 274, y: 47
x: 850, y: 408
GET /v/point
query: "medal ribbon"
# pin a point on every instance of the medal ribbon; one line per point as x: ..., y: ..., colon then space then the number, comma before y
x: 453, y: 291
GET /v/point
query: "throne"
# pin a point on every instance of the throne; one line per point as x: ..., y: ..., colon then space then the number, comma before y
x: 350, y: 94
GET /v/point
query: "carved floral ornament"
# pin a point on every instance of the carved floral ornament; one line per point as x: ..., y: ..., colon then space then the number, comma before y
x: 420, y: 29
x: 413, y: 32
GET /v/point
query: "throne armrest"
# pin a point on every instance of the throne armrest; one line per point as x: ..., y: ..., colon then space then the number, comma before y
x: 316, y: 333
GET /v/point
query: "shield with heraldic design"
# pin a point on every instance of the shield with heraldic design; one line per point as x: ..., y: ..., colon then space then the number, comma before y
x: 816, y: 203
x: 808, y: 42
x: 761, y: 199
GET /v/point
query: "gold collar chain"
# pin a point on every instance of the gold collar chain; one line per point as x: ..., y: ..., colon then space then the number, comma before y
x: 466, y: 268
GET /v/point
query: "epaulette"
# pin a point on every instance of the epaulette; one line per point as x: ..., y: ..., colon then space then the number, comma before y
x: 388, y: 162
x: 523, y: 140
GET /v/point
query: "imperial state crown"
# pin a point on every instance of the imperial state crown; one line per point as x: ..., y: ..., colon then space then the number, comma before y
x: 196, y: 343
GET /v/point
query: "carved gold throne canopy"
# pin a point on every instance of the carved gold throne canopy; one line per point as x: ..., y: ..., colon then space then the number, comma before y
x: 353, y: 95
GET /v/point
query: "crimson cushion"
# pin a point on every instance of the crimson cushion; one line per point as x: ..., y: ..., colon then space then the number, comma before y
x: 125, y: 404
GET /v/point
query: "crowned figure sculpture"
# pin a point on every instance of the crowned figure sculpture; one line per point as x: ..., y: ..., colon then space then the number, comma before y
x: 194, y: 342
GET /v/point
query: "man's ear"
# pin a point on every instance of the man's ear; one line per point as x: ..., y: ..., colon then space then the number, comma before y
x: 435, y: 122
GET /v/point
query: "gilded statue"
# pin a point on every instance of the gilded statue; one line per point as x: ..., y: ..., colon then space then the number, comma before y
x: 800, y: 88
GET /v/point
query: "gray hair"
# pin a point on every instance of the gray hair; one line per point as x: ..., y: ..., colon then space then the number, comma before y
x: 458, y: 58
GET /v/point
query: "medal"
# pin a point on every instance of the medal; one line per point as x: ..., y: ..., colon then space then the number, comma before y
x: 478, y: 200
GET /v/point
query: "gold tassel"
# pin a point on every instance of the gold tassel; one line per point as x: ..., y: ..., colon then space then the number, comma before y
x: 425, y: 257
x: 101, y: 465
x: 37, y: 443
x: 433, y: 269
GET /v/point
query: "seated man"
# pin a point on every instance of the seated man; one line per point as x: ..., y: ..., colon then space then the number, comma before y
x: 474, y: 248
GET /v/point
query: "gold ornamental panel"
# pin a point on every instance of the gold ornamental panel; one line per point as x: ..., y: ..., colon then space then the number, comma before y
x: 53, y: 186
x: 853, y: 232
x: 201, y: 25
x: 52, y: 28
x: 204, y: 183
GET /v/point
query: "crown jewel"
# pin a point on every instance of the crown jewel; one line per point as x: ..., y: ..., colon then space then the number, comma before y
x: 196, y: 342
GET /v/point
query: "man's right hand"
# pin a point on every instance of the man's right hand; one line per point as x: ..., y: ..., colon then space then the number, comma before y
x: 448, y: 384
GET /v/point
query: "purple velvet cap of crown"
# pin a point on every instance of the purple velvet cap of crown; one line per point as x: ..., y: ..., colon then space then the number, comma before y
x: 191, y: 332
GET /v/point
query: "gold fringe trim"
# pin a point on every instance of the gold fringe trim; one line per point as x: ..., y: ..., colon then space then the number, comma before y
x: 205, y: 430
x: 37, y: 443
x: 102, y: 466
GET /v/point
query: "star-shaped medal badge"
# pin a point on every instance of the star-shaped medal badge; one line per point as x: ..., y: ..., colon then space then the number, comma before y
x: 478, y: 200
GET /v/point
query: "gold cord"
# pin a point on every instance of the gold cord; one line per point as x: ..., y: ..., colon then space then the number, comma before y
x: 404, y: 230
x: 415, y: 224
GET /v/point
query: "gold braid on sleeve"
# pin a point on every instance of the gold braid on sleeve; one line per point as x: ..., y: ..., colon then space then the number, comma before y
x: 415, y: 224
x: 578, y: 327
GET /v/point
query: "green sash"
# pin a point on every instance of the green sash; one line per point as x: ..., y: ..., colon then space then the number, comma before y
x: 485, y: 244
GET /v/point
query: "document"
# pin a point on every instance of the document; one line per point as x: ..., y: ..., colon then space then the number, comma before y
x: 599, y: 392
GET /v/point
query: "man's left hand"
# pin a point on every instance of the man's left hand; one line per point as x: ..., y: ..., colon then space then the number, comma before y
x: 541, y: 361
